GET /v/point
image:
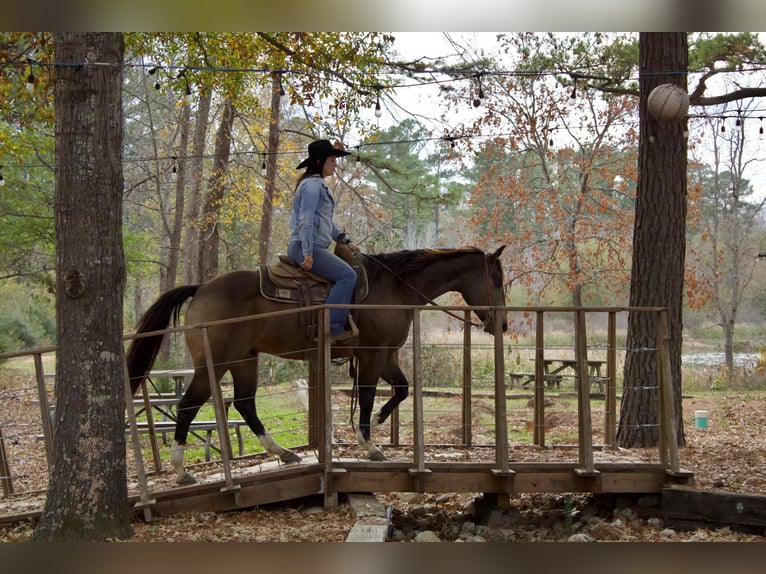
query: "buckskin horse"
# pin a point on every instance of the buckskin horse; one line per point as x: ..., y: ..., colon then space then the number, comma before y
x: 413, y: 277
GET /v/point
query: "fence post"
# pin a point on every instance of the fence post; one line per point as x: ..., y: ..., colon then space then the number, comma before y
x: 467, y: 395
x: 221, y: 420
x: 584, y: 426
x: 610, y: 399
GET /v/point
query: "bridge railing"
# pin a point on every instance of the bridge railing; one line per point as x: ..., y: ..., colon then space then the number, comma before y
x: 320, y: 404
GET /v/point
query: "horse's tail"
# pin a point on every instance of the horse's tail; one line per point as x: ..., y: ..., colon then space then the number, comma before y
x: 143, y: 351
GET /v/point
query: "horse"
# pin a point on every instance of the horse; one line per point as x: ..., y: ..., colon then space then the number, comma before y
x: 409, y: 277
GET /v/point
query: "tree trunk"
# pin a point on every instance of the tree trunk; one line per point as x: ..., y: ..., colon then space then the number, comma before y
x: 659, y: 245
x: 87, y: 495
x: 212, y: 208
x: 264, y: 245
x: 176, y: 224
x: 192, y: 238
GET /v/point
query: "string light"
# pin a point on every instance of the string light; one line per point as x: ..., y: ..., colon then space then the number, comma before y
x: 174, y: 169
x: 378, y: 111
x: 30, y: 87
x: 480, y: 93
x: 189, y: 97
x: 263, y: 165
x: 2, y: 181
x: 153, y: 71
x: 723, y: 125
x: 760, y: 129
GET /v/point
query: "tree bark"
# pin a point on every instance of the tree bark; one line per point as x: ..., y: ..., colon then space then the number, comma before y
x: 264, y: 244
x: 659, y: 245
x: 209, y: 240
x: 192, y: 239
x: 87, y: 495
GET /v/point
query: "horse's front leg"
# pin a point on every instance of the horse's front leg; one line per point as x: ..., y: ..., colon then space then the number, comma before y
x: 393, y: 375
x: 369, y: 372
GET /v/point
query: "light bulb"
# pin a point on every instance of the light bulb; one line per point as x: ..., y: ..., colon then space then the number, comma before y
x: 2, y: 181
x: 30, y: 84
x: 263, y: 168
x: 189, y: 97
x: 378, y: 111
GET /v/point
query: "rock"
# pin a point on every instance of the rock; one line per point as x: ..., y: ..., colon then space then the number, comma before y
x: 668, y: 534
x: 427, y: 536
x: 580, y: 537
x: 468, y: 527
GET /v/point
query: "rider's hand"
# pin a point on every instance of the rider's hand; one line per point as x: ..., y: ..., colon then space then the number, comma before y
x: 308, y: 263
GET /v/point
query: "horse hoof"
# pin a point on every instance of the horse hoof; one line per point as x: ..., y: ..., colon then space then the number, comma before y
x: 186, y: 479
x: 290, y: 458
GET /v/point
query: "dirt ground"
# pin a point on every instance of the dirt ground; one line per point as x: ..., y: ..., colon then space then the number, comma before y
x: 729, y: 455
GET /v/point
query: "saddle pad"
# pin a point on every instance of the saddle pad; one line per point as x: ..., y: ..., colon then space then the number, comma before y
x: 280, y: 285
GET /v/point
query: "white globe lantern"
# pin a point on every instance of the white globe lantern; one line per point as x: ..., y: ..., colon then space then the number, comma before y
x: 668, y: 103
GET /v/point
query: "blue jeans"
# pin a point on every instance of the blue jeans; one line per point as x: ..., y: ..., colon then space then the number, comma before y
x: 332, y: 267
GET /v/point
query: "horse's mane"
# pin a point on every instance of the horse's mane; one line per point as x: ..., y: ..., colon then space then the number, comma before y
x: 407, y: 261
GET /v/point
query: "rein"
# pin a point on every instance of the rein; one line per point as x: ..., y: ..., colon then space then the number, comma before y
x: 426, y: 297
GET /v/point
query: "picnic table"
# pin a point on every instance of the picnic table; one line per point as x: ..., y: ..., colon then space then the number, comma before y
x: 554, y: 371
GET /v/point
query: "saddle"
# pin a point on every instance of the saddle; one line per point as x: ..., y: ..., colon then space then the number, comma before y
x: 286, y: 282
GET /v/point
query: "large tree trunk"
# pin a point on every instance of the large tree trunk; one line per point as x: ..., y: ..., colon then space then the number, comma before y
x: 87, y: 495
x: 211, y: 211
x: 659, y: 245
x: 264, y: 244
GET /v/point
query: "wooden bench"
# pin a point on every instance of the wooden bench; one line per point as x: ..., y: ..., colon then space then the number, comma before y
x: 208, y: 427
x: 524, y: 380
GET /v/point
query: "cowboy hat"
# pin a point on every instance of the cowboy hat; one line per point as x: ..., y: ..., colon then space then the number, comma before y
x: 319, y: 150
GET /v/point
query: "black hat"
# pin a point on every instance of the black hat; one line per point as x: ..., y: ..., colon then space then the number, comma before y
x: 321, y: 149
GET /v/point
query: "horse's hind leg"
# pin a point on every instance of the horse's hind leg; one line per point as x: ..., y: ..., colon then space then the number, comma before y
x: 194, y: 397
x: 245, y: 377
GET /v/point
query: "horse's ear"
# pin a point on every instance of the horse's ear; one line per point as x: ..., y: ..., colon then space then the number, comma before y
x: 499, y: 252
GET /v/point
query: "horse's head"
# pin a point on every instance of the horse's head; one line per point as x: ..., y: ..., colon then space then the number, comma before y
x: 488, y: 291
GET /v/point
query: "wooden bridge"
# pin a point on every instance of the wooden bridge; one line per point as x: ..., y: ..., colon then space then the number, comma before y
x: 471, y: 461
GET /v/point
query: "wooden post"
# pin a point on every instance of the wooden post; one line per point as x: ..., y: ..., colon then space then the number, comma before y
x: 394, y: 417
x: 538, y: 417
x: 221, y: 420
x: 501, y: 417
x: 585, y: 429
x: 315, y: 403
x: 145, y: 503
x: 5, y: 468
x: 467, y: 433
x: 45, y: 410
x: 150, y: 424
x: 323, y: 412
x: 610, y: 399
x: 417, y: 392
x: 668, y: 423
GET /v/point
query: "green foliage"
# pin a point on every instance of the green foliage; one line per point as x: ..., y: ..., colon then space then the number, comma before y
x: 719, y: 51
x: 413, y: 191
x: 27, y: 318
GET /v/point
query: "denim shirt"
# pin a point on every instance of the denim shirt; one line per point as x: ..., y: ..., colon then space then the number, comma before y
x: 311, y: 222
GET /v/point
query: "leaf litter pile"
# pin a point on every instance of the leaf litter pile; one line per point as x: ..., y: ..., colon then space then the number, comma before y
x: 728, y: 456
